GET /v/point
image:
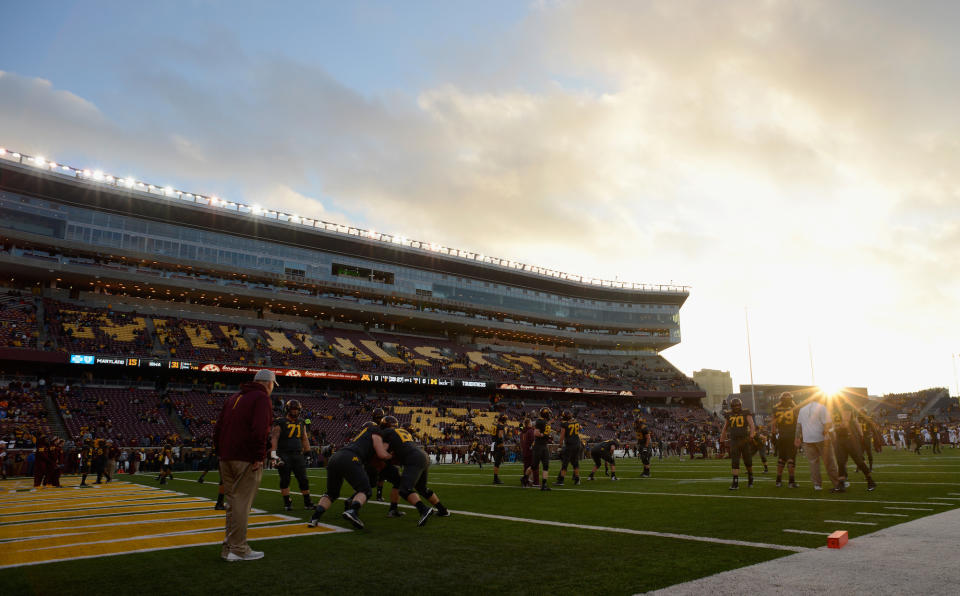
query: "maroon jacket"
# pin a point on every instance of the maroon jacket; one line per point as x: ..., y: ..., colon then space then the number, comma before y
x: 244, y: 424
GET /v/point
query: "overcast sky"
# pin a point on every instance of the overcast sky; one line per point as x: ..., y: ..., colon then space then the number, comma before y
x: 797, y: 159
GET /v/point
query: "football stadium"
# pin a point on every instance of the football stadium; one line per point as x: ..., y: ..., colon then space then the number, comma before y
x: 131, y: 313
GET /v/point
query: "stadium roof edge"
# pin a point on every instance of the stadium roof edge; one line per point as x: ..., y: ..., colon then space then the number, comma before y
x: 80, y: 189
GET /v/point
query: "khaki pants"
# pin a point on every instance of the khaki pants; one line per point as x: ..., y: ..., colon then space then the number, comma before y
x: 240, y: 485
x: 815, y: 451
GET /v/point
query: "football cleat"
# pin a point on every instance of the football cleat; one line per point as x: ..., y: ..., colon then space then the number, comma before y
x: 750, y: 484
x: 354, y: 519
x: 734, y: 487
x: 314, y: 521
x: 871, y: 485
x: 288, y: 507
x: 200, y: 480
x: 425, y: 517
x: 497, y: 481
x: 614, y: 477
x: 250, y: 556
x: 396, y: 513
x: 779, y: 484
x: 220, y: 506
x: 838, y: 489
x: 793, y: 485
x: 445, y: 513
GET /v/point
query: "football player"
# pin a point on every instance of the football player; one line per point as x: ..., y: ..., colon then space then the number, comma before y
x: 541, y: 446
x: 759, y: 446
x: 288, y: 445
x: 3, y: 460
x: 643, y: 444
x: 349, y: 464
x: 604, y: 451
x: 570, y: 447
x: 739, y: 424
x: 86, y: 461
x: 784, y: 428
x: 499, y: 447
x: 413, y: 479
x: 868, y: 430
x: 526, y: 453
x: 166, y: 465
x: 849, y: 444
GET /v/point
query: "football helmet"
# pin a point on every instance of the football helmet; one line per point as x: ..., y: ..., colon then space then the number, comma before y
x: 786, y: 397
x: 502, y: 418
x: 291, y: 405
x: 736, y: 404
x: 377, y: 414
x: 389, y: 422
x: 545, y: 413
x: 566, y: 415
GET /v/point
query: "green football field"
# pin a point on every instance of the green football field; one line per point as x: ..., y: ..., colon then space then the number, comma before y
x: 603, y: 537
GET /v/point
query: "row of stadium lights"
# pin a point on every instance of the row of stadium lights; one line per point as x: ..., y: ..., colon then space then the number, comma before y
x: 213, y: 201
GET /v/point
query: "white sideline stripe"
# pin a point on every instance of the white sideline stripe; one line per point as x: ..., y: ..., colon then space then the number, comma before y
x: 840, y: 521
x: 635, y: 532
x: 806, y: 532
x: 573, y: 490
x: 945, y: 498
x: 911, y: 508
x: 883, y: 514
x: 544, y: 522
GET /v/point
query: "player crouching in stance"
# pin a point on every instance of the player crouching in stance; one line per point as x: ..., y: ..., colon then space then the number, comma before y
x: 349, y: 464
x: 742, y: 430
x: 288, y: 445
x: 413, y: 479
x: 604, y: 451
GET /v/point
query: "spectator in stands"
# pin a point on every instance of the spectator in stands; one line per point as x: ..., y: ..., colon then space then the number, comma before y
x: 240, y: 436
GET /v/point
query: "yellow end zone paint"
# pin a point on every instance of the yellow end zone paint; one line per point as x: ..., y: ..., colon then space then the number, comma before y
x: 63, y: 524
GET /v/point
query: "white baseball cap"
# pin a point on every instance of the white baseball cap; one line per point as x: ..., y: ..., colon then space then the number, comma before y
x: 266, y: 375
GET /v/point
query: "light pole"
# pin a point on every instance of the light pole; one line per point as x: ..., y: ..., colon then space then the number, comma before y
x: 753, y: 396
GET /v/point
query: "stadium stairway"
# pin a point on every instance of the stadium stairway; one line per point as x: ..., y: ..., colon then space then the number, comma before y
x: 42, y: 335
x: 179, y: 426
x: 158, y: 348
x: 932, y: 402
x: 54, y: 419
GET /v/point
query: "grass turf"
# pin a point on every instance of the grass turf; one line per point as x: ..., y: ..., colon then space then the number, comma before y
x: 481, y: 555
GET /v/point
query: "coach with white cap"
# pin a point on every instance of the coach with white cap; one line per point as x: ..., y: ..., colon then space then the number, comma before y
x: 240, y: 438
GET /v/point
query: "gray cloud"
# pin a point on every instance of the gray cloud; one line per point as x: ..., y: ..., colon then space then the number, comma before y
x: 741, y: 147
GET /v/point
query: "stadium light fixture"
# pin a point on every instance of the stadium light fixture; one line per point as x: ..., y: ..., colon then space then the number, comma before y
x: 98, y: 175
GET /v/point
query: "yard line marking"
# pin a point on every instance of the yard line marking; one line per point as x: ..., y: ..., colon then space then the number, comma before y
x: 806, y: 532
x: 544, y: 522
x: 911, y: 508
x: 883, y: 514
x: 572, y: 490
x: 946, y: 498
x: 840, y: 521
